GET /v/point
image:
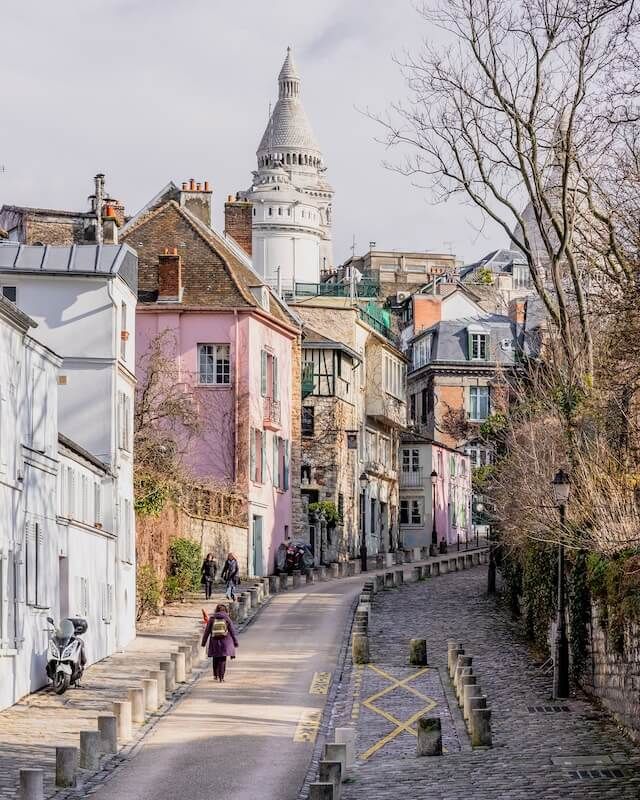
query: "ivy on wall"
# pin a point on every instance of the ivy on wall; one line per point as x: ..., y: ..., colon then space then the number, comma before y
x: 579, y: 605
x: 615, y: 584
x: 539, y: 571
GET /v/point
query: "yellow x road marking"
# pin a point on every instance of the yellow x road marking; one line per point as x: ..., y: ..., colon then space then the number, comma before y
x: 401, y: 725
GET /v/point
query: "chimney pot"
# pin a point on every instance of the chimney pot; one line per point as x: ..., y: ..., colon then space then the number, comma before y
x: 198, y: 187
x: 230, y: 198
x: 185, y: 185
x: 174, y: 251
x: 166, y: 251
x: 192, y: 185
x: 206, y: 186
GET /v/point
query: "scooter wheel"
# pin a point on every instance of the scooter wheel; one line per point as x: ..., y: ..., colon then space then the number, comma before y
x: 60, y: 682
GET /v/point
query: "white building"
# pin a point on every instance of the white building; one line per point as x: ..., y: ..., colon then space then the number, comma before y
x: 83, y: 298
x: 28, y: 530
x: 290, y: 195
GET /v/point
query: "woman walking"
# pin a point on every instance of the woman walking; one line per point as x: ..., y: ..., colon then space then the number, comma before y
x: 231, y: 574
x: 223, y: 640
x: 208, y: 572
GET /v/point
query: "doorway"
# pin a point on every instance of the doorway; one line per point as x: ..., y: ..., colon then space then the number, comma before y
x: 63, y: 587
x: 257, y: 545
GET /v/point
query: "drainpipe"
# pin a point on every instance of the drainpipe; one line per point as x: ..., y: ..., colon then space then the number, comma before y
x: 236, y: 384
x: 115, y: 469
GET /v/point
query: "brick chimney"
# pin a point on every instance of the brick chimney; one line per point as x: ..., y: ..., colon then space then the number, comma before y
x: 110, y: 224
x: 238, y: 222
x: 427, y: 311
x: 518, y: 311
x: 170, y: 276
x: 196, y: 198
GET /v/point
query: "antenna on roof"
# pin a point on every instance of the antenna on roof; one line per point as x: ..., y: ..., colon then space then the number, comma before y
x: 353, y: 246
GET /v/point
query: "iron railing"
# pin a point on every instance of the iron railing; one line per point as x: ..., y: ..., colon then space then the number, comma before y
x: 272, y: 410
x: 411, y: 478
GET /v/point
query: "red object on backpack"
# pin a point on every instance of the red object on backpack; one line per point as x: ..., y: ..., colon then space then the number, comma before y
x: 205, y: 617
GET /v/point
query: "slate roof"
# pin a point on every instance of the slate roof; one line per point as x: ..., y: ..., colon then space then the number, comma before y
x: 450, y: 340
x: 108, y: 260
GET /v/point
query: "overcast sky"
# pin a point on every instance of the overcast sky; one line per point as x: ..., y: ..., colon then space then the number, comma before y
x: 153, y: 90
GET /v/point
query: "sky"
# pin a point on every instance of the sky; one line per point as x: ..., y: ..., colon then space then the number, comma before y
x: 149, y: 91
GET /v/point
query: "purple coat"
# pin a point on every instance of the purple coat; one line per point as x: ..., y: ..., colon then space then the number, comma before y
x: 222, y: 645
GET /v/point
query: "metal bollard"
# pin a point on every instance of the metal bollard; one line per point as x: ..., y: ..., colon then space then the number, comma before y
x: 169, y: 669
x: 107, y: 726
x: 136, y: 698
x: 31, y: 784
x: 151, y: 693
x: 429, y: 737
x: 122, y: 713
x: 66, y: 765
x: 418, y: 652
x: 90, y: 750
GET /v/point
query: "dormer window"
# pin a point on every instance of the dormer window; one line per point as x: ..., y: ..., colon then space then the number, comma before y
x: 478, y: 344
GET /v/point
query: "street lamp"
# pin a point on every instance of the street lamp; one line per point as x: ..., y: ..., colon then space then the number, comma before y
x: 561, y: 486
x: 364, y: 482
x: 321, y: 518
x: 434, y: 532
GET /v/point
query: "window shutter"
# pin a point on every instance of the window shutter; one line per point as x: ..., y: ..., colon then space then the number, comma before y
x: 285, y: 471
x: 30, y: 536
x: 276, y: 462
x: 263, y: 474
x: 4, y: 599
x: 42, y: 598
x: 97, y: 502
x: 252, y: 454
x: 263, y: 373
x: 276, y: 387
x: 469, y: 346
x: 4, y: 443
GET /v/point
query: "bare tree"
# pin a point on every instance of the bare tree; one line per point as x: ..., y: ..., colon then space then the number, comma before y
x: 512, y: 111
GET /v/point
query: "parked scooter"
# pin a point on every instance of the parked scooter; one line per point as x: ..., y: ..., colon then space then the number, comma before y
x: 65, y: 655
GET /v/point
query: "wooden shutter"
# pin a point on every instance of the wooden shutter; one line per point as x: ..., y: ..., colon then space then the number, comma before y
x: 97, y: 502
x: 276, y: 462
x: 252, y: 454
x: 285, y: 471
x: 263, y: 475
x: 276, y: 387
x: 4, y: 599
x: 263, y: 373
x: 4, y: 427
x: 42, y: 571
x: 30, y: 561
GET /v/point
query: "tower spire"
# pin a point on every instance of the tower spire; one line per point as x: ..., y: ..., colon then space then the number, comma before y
x: 288, y: 79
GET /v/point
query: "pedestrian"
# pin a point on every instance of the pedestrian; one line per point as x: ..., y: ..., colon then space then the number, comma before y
x: 223, y: 640
x: 208, y: 572
x: 231, y: 575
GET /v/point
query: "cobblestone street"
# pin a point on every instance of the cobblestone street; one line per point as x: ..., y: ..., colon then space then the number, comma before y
x: 383, y: 701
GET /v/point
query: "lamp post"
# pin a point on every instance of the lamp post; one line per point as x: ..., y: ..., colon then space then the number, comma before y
x: 561, y: 485
x: 364, y: 482
x: 434, y: 531
x: 321, y: 519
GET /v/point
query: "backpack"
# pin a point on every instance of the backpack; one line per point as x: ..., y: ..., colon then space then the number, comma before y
x: 220, y: 629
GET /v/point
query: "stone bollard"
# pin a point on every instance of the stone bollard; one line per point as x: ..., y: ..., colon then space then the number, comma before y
x: 380, y: 561
x: 435, y: 569
x: 160, y: 677
x: 418, y: 652
x: 379, y: 579
x: 247, y: 599
x: 452, y: 647
x: 122, y: 713
x: 454, y: 661
x: 470, y: 691
x: 322, y: 573
x: 266, y: 590
x: 468, y: 560
x: 334, y: 570
x: 284, y: 584
x: 461, y: 563
x: 273, y: 584
x: 322, y: 791
x: 310, y: 576
x: 463, y: 668
x: 426, y: 571
x: 481, y: 727
x: 443, y: 567
x: 197, y: 637
x: 243, y: 607
x: 136, y: 698
x: 464, y: 680
x: 90, y: 750
x: 398, y: 577
x: 66, y: 765
x: 461, y: 662
x: 389, y: 560
x: 354, y: 568
x: 474, y: 703
x: 179, y: 662
x: 417, y: 574
x: 388, y: 580
x: 331, y: 772
x: 297, y: 578
x: 108, y: 728
x: 342, y: 569
x: 337, y: 752
x: 347, y: 736
x: 417, y: 554
x: 424, y: 553
x: 186, y: 649
x: 360, y: 648
x: 255, y: 599
x: 407, y: 556
x: 31, y: 784
x: 453, y: 564
x: 259, y: 592
x: 429, y: 737
x: 151, y: 693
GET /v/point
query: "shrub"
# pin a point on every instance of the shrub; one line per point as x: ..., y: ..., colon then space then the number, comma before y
x: 184, y: 569
x: 330, y: 511
x: 148, y: 594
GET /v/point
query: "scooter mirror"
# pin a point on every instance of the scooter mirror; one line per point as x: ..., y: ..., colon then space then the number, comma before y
x: 50, y: 620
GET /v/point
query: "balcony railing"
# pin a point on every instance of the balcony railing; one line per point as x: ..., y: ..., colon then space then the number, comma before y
x: 380, y: 327
x: 271, y: 411
x: 411, y: 478
x: 367, y: 287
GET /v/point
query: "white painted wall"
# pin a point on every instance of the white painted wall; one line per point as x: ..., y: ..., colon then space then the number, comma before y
x: 458, y: 306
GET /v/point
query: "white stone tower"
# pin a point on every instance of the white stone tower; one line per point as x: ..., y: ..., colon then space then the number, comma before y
x: 291, y: 215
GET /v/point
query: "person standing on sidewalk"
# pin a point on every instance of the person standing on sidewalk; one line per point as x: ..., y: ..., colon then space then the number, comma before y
x: 209, y: 571
x: 231, y: 575
x: 223, y: 640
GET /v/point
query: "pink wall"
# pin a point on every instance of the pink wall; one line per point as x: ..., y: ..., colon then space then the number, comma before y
x: 452, y: 487
x: 213, y: 454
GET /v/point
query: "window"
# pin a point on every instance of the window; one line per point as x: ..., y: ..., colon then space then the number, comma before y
x: 372, y: 446
x: 340, y: 506
x: 126, y: 531
x: 279, y: 211
x: 258, y: 455
x: 35, y: 566
x: 410, y: 460
x: 37, y: 410
x: 424, y: 406
x: 213, y: 364
x: 412, y: 412
x: 478, y: 402
x: 124, y: 333
x: 421, y: 352
x: 270, y: 212
x: 479, y: 455
x: 385, y: 450
x: 411, y: 511
x: 479, y: 346
x: 124, y: 421
x: 394, y: 375
x: 388, y: 267
x: 373, y: 527
x: 269, y: 383
x: 308, y: 420
x: 10, y: 293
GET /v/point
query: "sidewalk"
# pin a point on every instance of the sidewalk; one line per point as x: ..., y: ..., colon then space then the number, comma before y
x: 31, y: 729
x: 383, y: 699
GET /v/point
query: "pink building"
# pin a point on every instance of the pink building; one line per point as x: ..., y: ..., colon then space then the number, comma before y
x: 428, y: 470
x: 235, y: 346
